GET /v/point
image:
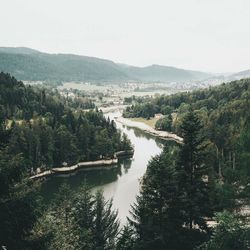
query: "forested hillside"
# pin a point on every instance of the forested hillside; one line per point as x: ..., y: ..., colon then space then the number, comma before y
x: 207, y: 176
x: 183, y: 192
x: 32, y: 65
x: 59, y: 67
x: 223, y: 110
x: 184, y: 189
x: 41, y: 128
x: 48, y: 129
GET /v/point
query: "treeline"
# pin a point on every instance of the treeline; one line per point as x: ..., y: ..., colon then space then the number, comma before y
x: 182, y: 193
x: 216, y: 107
x: 46, y: 142
x: 178, y: 198
x: 225, y: 114
x: 25, y: 102
x: 205, y: 178
x: 184, y: 188
x: 76, y: 221
x: 48, y: 130
x: 40, y: 128
x: 211, y: 99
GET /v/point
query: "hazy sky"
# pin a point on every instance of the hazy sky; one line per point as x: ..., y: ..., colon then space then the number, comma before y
x: 208, y: 35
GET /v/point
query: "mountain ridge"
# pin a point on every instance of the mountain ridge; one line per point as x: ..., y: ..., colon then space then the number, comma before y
x: 33, y: 65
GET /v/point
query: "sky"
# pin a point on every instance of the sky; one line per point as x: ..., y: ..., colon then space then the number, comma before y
x: 207, y: 35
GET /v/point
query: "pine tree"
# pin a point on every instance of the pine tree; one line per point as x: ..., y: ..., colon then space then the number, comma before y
x: 19, y: 206
x: 83, y: 213
x: 157, y: 217
x: 105, y: 224
x: 231, y: 233
x: 126, y: 239
x: 192, y: 164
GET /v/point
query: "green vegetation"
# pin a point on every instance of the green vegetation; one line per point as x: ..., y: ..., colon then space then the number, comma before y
x: 185, y: 186
x: 32, y: 65
x: 164, y: 123
x: 20, y: 205
x: 204, y: 178
x: 224, y: 113
x: 231, y: 233
x: 150, y: 122
x: 77, y: 221
x: 171, y: 209
x: 48, y: 130
x: 36, y: 66
x: 40, y: 128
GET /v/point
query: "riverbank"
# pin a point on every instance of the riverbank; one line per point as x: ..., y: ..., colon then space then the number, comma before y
x: 150, y: 122
x: 147, y: 129
x: 84, y: 165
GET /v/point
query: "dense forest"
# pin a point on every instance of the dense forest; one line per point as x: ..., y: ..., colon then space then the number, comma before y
x: 41, y: 128
x: 224, y: 112
x: 186, y: 189
x: 183, y: 192
x: 48, y: 129
x: 215, y: 125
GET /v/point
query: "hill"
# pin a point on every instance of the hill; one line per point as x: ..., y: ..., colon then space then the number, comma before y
x: 18, y: 50
x: 162, y: 73
x: 32, y: 65
x: 241, y: 74
x: 27, y: 64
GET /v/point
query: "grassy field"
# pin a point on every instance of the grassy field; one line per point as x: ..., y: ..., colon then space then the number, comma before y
x: 151, y: 122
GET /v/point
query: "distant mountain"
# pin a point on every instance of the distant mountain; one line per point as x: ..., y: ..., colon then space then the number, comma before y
x: 242, y: 74
x: 163, y: 74
x: 18, y: 50
x: 28, y: 64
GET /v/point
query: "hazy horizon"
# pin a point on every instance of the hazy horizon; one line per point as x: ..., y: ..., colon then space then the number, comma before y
x: 211, y: 36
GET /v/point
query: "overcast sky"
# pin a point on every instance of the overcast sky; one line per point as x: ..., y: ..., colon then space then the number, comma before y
x: 208, y: 35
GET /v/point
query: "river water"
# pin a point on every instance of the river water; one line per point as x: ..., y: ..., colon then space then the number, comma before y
x: 121, y: 182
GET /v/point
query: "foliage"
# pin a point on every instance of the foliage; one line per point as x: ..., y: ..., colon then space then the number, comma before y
x: 231, y: 233
x: 40, y: 128
x: 174, y: 202
x: 19, y: 202
x: 48, y: 132
x: 192, y: 163
x: 126, y: 239
x: 164, y: 123
x: 224, y: 112
x: 78, y: 221
x: 156, y: 216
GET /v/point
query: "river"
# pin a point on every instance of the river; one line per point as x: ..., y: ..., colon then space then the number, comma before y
x: 120, y: 182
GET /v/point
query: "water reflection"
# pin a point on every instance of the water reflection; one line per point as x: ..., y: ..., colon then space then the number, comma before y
x: 94, y: 178
x: 120, y: 182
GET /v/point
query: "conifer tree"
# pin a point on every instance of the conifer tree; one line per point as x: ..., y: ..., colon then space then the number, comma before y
x: 192, y: 163
x: 126, y: 239
x: 105, y: 224
x: 157, y: 216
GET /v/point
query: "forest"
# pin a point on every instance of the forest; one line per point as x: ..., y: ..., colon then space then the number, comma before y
x: 39, y: 128
x: 192, y: 195
x: 211, y: 169
x: 49, y: 129
x: 224, y: 114
x: 33, y: 65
